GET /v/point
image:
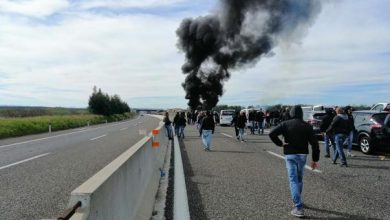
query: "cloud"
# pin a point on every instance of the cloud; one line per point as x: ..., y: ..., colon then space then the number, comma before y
x: 34, y: 8
x: 134, y: 55
x: 114, y: 4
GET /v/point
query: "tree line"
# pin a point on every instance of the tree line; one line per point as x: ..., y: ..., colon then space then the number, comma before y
x: 103, y: 104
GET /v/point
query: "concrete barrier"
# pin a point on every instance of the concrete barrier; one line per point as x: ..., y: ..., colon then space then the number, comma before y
x: 125, y: 188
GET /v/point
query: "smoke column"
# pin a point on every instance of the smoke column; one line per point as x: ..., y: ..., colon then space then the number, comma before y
x: 240, y: 33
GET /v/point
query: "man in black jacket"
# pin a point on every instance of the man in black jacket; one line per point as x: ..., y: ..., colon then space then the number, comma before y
x: 207, y: 130
x: 340, y: 127
x: 234, y: 122
x: 328, y: 138
x: 297, y: 135
x: 260, y: 121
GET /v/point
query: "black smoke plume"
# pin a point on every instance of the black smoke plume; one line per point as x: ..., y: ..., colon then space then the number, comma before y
x: 240, y: 33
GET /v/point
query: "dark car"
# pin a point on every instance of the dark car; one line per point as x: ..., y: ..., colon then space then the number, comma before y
x: 372, y: 130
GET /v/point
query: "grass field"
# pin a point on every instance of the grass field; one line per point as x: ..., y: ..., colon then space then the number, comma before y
x: 15, y: 111
x: 19, y: 126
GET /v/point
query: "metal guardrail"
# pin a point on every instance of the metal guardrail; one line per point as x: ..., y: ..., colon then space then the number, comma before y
x: 70, y: 212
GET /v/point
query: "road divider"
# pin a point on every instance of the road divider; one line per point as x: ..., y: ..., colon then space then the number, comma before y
x: 23, y: 161
x: 125, y: 188
x: 282, y: 157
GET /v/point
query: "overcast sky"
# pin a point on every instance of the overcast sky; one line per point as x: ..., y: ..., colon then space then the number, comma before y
x: 52, y: 53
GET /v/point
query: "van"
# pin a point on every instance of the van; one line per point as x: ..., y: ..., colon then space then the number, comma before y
x: 226, y: 117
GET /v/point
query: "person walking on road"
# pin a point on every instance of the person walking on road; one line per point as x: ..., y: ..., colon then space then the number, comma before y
x: 252, y: 121
x: 348, y: 111
x: 260, y: 121
x: 168, y: 126
x: 340, y: 127
x: 234, y: 123
x: 199, y: 122
x: 297, y: 135
x: 207, y: 130
x: 175, y: 123
x: 181, y: 123
x: 241, y: 122
x: 328, y: 138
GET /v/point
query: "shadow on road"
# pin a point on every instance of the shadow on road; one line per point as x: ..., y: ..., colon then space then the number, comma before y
x: 340, y: 215
x: 369, y: 167
x: 194, y: 198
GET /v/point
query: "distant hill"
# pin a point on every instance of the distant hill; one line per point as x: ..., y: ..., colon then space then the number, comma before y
x: 27, y: 111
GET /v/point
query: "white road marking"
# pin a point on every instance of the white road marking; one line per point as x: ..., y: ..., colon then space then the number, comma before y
x: 98, y: 137
x: 227, y: 135
x: 306, y: 166
x: 122, y: 129
x: 23, y: 161
x: 60, y: 135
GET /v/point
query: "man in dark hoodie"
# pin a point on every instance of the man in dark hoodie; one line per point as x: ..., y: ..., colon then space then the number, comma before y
x: 328, y: 138
x: 297, y: 135
x: 348, y: 111
x: 340, y: 127
x: 207, y: 130
x: 175, y: 123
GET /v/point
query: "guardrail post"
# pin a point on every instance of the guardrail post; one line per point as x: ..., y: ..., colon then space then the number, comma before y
x: 49, y: 128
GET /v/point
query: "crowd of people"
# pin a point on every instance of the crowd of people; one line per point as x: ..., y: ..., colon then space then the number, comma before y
x: 337, y: 128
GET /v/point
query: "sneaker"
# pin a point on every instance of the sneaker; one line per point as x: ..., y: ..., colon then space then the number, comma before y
x: 334, y: 162
x: 343, y: 165
x: 327, y: 156
x: 298, y: 213
x: 349, y: 154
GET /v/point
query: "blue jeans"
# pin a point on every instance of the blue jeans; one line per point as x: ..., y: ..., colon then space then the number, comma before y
x: 329, y: 141
x: 176, y: 130
x: 181, y: 131
x: 207, y: 136
x: 260, y: 126
x: 241, y: 133
x: 253, y: 124
x: 295, y: 164
x: 168, y: 131
x: 339, y: 140
x: 348, y: 141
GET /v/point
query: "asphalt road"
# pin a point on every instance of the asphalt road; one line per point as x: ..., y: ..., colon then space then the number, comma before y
x: 249, y: 181
x: 38, y: 173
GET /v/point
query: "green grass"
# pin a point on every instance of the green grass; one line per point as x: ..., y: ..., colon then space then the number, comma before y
x: 15, y: 111
x: 13, y: 127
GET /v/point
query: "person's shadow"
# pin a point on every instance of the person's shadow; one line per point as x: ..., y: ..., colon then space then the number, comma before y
x: 339, y: 215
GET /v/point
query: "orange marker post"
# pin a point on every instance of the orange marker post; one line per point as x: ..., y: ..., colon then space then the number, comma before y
x: 155, y: 144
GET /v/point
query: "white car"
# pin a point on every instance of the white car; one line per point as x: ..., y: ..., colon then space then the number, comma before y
x: 380, y: 106
x: 226, y: 117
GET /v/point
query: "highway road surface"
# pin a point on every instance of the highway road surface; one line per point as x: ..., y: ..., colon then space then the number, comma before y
x: 249, y: 181
x: 38, y: 172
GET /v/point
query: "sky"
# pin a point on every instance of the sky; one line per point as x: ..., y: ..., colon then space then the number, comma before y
x: 53, y: 52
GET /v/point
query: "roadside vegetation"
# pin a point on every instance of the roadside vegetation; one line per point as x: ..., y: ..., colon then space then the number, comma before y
x: 19, y: 121
x: 13, y: 127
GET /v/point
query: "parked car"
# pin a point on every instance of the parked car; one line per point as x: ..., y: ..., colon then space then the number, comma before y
x: 380, y: 106
x: 314, y: 115
x: 226, y: 117
x: 372, y: 130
